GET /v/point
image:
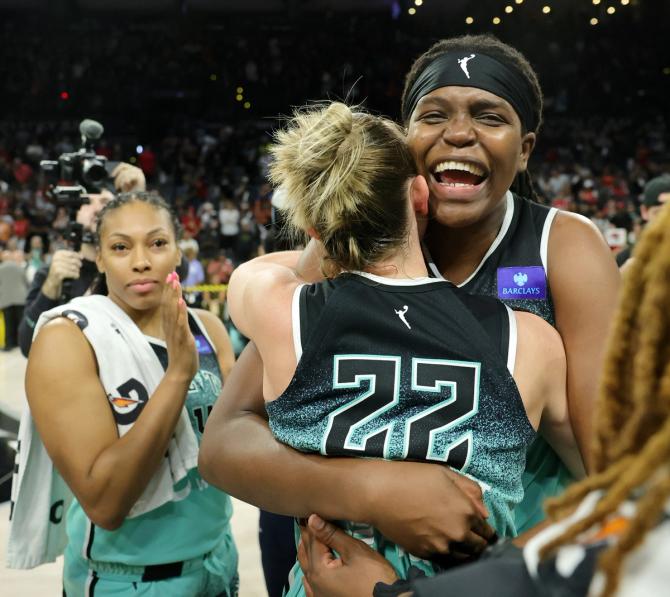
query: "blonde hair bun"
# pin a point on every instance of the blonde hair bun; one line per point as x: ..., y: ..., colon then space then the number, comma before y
x: 343, y: 171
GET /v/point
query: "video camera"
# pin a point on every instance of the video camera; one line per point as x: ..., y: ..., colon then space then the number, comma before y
x: 77, y: 174
x: 84, y: 170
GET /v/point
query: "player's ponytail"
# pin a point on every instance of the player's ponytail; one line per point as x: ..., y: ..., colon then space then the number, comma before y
x: 345, y: 175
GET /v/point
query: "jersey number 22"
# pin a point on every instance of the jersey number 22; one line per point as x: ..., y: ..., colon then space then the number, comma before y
x: 367, y: 425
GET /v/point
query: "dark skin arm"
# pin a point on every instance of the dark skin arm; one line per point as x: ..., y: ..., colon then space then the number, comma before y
x: 585, y: 283
x: 422, y: 507
x: 335, y: 564
x: 353, y: 574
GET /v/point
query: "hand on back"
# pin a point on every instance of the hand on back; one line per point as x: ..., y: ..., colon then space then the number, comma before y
x: 352, y: 573
x: 428, y: 509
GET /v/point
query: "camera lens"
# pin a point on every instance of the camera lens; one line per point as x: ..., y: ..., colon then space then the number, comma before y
x: 93, y: 171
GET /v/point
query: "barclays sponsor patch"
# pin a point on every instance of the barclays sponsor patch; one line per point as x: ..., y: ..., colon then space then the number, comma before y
x: 522, y: 283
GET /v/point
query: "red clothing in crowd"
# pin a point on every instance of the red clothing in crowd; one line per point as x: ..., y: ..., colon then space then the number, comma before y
x: 22, y: 173
x: 21, y: 227
x: 147, y: 161
x: 191, y: 222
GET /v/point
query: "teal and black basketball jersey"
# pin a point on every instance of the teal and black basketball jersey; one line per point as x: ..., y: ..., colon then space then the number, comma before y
x: 176, y: 531
x: 514, y: 270
x: 407, y: 369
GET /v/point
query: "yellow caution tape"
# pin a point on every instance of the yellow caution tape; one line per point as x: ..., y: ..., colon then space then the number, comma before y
x: 207, y: 288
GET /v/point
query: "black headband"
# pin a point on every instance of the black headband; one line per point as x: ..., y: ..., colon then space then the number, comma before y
x: 467, y: 69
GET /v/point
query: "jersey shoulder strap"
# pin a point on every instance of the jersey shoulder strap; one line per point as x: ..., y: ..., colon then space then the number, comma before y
x: 534, y: 223
x: 309, y: 308
x: 494, y: 317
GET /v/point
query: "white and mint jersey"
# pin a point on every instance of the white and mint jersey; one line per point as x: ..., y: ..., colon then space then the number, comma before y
x: 176, y: 531
x: 407, y: 369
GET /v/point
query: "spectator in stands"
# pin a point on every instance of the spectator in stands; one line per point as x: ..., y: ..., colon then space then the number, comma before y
x: 6, y: 229
x: 36, y: 257
x: 21, y: 226
x: 219, y: 271
x: 195, y: 276
x: 190, y: 221
x: 209, y: 239
x: 22, y: 171
x: 247, y: 240
x: 262, y: 209
x: 13, y: 292
x: 656, y: 194
x: 206, y: 213
x: 229, y: 217
x: 13, y: 253
x: 147, y: 162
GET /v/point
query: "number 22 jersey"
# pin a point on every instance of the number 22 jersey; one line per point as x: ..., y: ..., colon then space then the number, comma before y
x: 408, y: 369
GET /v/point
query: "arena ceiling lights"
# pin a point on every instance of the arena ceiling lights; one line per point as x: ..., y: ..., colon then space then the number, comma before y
x: 477, y: 12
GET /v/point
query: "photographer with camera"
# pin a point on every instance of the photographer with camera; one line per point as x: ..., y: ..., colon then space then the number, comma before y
x: 46, y: 290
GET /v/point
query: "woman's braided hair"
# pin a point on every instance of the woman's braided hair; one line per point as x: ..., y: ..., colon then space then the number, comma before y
x: 632, y: 438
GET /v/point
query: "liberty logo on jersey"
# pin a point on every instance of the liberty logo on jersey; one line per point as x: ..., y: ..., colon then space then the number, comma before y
x: 401, y: 313
x: 519, y: 283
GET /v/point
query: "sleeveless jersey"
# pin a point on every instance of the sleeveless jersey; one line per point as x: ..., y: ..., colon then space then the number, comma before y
x: 514, y: 270
x: 176, y: 531
x: 407, y: 369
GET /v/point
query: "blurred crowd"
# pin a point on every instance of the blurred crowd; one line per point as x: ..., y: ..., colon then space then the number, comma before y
x: 194, y: 105
x: 216, y: 178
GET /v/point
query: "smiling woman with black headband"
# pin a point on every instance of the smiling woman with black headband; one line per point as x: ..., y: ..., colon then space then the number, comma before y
x: 472, y: 108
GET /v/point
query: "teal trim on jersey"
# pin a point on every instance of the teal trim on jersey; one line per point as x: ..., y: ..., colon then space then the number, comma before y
x: 214, y: 574
x: 438, y: 387
x: 359, y: 444
x: 174, y: 532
